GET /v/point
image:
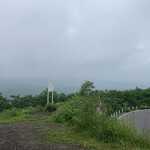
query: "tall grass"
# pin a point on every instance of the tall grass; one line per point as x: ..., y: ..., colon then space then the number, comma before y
x: 16, y: 114
x: 81, y: 113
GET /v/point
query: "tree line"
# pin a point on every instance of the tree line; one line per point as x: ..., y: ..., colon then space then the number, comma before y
x: 112, y: 100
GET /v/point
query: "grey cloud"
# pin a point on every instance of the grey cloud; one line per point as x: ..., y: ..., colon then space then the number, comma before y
x: 75, y: 39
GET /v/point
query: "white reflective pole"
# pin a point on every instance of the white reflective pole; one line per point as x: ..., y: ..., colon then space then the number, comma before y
x: 47, y: 96
x: 52, y: 97
x: 50, y: 89
x: 122, y: 110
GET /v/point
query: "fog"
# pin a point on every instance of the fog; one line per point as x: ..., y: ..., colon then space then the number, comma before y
x: 71, y: 41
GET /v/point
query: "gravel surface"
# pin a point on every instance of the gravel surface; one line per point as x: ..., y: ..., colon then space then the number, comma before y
x: 24, y: 135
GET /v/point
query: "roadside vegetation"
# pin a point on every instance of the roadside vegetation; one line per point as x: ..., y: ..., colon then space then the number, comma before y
x: 112, y: 99
x: 17, y: 114
x: 82, y: 124
x: 80, y: 114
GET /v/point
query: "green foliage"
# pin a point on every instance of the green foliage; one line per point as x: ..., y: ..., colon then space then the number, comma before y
x: 39, y: 107
x: 41, y: 99
x: 81, y: 113
x: 58, y: 104
x: 87, y: 88
x: 67, y: 134
x: 68, y: 110
x: 61, y: 97
x: 17, y: 114
x: 118, y: 100
x: 49, y: 107
x: 114, y: 100
x: 21, y: 102
x: 86, y: 118
x: 4, y: 103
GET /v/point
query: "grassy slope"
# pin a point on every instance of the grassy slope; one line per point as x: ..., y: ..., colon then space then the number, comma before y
x: 67, y: 134
x: 63, y: 134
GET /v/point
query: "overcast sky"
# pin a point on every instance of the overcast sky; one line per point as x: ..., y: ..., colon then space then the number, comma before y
x: 75, y: 39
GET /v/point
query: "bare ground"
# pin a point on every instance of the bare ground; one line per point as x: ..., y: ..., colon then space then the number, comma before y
x: 24, y: 135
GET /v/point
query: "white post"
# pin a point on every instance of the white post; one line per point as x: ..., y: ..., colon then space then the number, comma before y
x: 47, y: 97
x: 50, y: 89
x: 52, y: 97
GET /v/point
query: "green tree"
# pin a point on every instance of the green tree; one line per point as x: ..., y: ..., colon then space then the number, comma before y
x: 17, y: 101
x: 87, y: 88
x: 41, y: 99
x: 4, y: 103
x: 62, y: 97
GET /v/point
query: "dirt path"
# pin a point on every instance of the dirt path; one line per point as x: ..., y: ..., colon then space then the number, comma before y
x: 23, y: 136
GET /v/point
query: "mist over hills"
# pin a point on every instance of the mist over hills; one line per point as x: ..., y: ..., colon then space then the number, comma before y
x: 36, y: 86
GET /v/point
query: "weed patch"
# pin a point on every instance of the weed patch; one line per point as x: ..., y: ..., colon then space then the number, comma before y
x: 81, y: 113
x: 68, y: 134
x: 16, y: 114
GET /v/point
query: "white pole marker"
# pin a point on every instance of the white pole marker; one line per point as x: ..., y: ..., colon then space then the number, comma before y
x: 50, y: 89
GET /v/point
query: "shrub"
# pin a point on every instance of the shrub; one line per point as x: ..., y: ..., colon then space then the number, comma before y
x: 29, y: 110
x: 40, y: 107
x: 58, y: 104
x: 16, y: 114
x: 81, y: 113
x: 70, y: 109
x: 12, y: 112
x: 49, y: 107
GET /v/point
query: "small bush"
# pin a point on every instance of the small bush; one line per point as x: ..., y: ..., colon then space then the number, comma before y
x: 58, y: 104
x: 69, y: 110
x: 40, y: 107
x: 49, y: 107
x: 16, y: 114
x: 12, y: 112
x: 29, y: 110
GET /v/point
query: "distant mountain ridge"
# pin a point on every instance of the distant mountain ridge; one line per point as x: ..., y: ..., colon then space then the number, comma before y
x: 34, y: 87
